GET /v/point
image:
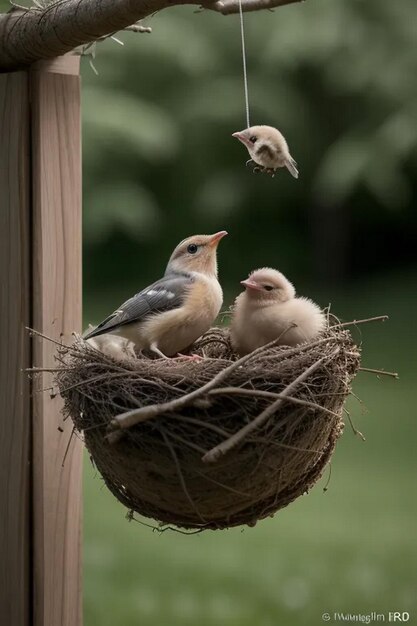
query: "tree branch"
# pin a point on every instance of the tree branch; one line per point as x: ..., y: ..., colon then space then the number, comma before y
x: 27, y: 36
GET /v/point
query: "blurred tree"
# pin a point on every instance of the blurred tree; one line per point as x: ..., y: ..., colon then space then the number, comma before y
x: 336, y: 77
x: 160, y: 114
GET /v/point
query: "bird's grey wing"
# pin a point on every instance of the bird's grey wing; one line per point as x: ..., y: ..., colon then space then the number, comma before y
x: 164, y: 295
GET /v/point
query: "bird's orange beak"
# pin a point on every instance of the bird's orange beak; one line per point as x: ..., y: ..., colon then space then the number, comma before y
x: 250, y: 284
x: 242, y: 137
x: 215, y: 239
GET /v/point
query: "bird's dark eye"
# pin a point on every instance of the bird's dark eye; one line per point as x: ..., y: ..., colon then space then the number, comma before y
x: 268, y: 287
x: 192, y: 248
x: 253, y: 139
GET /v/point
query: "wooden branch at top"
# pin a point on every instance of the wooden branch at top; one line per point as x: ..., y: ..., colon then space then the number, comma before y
x: 27, y: 36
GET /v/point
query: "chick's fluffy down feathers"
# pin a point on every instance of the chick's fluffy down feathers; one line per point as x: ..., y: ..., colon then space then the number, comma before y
x: 118, y: 348
x: 255, y: 324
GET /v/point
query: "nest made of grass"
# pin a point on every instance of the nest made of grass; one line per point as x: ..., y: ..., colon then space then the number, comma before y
x: 232, y: 452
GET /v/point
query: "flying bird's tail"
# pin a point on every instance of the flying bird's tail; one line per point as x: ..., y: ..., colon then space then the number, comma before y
x: 291, y: 166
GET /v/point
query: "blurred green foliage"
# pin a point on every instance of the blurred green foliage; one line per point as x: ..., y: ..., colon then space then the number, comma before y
x: 338, y: 78
x: 351, y: 549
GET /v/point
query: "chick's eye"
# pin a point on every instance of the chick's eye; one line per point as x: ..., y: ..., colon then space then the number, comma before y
x: 253, y: 139
x: 268, y: 287
x: 192, y: 248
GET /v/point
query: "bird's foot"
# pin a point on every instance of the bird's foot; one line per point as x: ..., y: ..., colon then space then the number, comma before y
x: 260, y: 169
x: 249, y: 162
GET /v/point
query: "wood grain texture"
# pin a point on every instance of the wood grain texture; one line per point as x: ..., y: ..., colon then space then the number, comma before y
x: 68, y: 64
x: 56, y: 168
x: 14, y: 351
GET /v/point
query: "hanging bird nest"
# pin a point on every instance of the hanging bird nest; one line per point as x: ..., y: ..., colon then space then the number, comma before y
x: 210, y: 443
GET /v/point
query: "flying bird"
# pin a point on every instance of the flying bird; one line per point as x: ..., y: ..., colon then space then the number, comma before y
x: 169, y: 315
x: 268, y: 149
x: 268, y: 309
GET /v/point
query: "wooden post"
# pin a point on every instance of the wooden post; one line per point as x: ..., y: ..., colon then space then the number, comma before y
x: 40, y: 266
x: 15, y: 290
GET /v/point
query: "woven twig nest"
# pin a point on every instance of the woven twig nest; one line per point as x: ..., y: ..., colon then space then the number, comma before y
x: 220, y: 442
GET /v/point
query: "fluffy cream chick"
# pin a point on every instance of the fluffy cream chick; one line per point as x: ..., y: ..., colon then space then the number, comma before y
x: 169, y: 315
x: 268, y: 148
x: 268, y: 309
x: 116, y: 347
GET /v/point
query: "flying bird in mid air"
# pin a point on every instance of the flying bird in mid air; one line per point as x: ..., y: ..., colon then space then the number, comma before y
x: 268, y: 149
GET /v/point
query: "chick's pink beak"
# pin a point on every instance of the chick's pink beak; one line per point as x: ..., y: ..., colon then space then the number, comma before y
x: 250, y: 284
x: 242, y: 137
x: 217, y: 237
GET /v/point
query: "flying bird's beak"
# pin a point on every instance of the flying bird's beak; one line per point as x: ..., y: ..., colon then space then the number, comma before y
x: 215, y: 239
x: 242, y: 137
x: 250, y: 284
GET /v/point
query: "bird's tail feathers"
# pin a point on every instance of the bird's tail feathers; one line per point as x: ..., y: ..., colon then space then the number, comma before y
x: 291, y: 166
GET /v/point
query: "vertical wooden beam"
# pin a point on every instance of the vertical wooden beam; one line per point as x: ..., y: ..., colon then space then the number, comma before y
x: 56, y: 176
x: 15, y: 509
x: 40, y: 286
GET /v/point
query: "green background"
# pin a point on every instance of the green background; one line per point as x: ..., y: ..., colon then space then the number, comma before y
x: 338, y: 78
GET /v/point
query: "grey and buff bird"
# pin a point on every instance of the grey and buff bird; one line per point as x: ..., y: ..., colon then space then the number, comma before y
x: 268, y: 149
x: 169, y: 315
x: 268, y: 309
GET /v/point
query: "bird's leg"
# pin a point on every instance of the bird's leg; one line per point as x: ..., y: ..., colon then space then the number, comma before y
x: 154, y: 348
x: 261, y: 169
x: 255, y: 167
x: 192, y: 357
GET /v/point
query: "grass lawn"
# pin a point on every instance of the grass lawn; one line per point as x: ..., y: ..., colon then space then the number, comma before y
x: 350, y: 549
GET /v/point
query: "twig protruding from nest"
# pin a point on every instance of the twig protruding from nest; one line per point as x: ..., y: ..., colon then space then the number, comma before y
x: 235, y: 439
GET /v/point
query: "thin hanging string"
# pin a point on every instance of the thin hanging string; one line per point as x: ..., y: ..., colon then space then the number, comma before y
x: 245, y: 74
